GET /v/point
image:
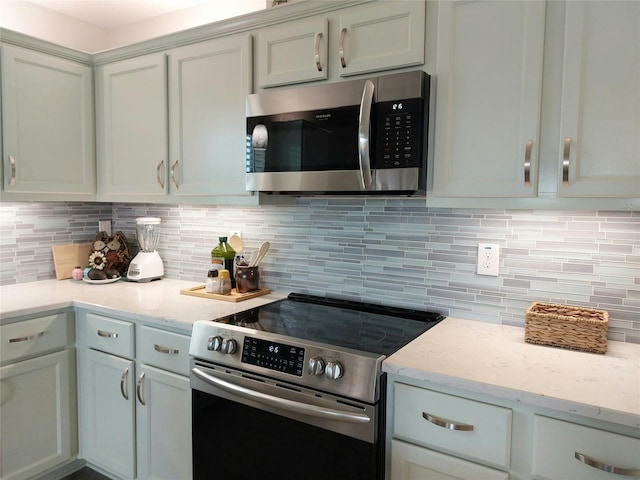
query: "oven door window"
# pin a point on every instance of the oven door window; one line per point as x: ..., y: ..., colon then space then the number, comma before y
x: 304, y: 141
x: 238, y: 442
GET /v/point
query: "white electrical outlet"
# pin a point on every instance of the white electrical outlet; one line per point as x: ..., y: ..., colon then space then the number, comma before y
x: 104, y: 226
x: 488, y: 259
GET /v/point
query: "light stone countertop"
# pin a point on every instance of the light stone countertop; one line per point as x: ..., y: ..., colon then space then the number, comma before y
x: 158, y: 302
x: 495, y: 360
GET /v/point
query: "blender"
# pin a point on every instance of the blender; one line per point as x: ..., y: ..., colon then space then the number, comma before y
x: 147, y: 264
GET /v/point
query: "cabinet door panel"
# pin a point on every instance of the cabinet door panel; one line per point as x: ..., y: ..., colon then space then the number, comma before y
x: 489, y: 80
x: 132, y: 127
x: 47, y: 115
x: 601, y: 100
x: 410, y: 462
x: 209, y: 83
x: 107, y: 417
x: 37, y: 418
x: 163, y: 425
x: 288, y: 53
x: 386, y: 35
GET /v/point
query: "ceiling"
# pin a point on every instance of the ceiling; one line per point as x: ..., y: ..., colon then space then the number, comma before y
x: 115, y: 13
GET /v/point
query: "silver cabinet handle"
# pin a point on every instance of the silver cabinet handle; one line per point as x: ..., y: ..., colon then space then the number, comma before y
x: 104, y: 333
x: 566, y: 152
x: 283, y: 403
x: 527, y: 163
x: 363, y: 134
x: 173, y: 173
x: 123, y: 384
x: 169, y: 350
x: 12, y: 162
x: 139, y: 390
x: 32, y: 336
x: 627, y: 472
x: 316, y: 55
x: 450, y: 424
x: 341, y: 48
x: 158, y: 170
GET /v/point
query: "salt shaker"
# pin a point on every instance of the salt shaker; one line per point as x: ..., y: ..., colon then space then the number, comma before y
x: 211, y: 286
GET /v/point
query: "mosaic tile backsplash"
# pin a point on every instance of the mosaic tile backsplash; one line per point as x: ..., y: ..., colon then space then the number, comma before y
x: 391, y: 251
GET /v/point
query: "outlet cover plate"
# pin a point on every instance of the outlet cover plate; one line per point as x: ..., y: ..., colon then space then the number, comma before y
x: 488, y: 259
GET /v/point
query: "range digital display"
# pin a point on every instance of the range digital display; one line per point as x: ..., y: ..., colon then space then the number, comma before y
x: 273, y: 355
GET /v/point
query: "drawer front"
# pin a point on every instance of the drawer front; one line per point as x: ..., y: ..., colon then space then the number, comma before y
x: 162, y: 349
x: 557, y: 444
x: 472, y: 429
x: 36, y: 336
x: 110, y: 335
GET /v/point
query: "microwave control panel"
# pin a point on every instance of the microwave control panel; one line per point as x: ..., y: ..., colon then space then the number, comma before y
x: 400, y: 134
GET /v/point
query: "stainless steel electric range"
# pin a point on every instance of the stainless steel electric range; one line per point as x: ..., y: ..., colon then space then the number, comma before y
x: 295, y: 389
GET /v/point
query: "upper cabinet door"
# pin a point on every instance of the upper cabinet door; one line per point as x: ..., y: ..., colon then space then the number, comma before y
x: 489, y: 81
x: 208, y: 86
x: 600, y: 117
x: 382, y: 36
x: 48, y: 127
x: 132, y: 128
x: 293, y: 53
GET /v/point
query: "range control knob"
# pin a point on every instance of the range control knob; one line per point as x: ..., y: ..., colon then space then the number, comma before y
x: 215, y: 343
x: 334, y: 370
x: 315, y: 366
x: 229, y: 345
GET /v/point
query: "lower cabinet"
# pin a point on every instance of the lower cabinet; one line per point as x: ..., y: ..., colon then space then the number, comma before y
x: 135, y: 400
x: 437, y: 432
x: 38, y: 420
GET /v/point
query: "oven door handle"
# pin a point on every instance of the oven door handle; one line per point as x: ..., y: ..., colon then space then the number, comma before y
x: 283, y: 403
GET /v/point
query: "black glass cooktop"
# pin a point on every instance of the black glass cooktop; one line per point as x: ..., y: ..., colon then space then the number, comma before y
x: 371, y: 328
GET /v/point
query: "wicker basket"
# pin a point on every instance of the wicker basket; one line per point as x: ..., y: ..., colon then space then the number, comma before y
x: 566, y: 326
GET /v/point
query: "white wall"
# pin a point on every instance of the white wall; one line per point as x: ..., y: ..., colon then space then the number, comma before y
x: 46, y: 24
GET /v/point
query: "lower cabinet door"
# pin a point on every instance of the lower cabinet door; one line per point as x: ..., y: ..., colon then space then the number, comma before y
x: 107, y: 409
x: 410, y: 462
x: 163, y: 425
x: 37, y: 418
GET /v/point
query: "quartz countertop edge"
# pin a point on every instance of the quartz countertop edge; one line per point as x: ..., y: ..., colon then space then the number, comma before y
x: 159, y: 302
x: 494, y: 360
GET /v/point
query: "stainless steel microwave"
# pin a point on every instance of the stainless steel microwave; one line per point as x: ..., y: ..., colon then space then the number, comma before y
x: 366, y: 136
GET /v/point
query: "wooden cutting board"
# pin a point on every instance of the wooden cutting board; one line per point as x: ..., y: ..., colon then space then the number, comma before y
x: 200, y: 291
x: 67, y: 257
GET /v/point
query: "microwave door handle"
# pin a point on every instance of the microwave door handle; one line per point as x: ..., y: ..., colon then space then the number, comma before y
x: 364, y: 138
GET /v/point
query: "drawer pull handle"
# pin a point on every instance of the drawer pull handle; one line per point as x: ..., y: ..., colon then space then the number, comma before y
x: 450, y: 424
x: 104, y: 333
x: 158, y: 171
x: 527, y: 163
x: 12, y: 162
x: 173, y: 174
x: 123, y: 384
x: 628, y: 472
x: 169, y: 350
x: 139, y: 389
x: 33, y: 336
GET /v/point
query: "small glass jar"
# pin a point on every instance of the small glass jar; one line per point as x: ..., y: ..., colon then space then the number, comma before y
x: 211, y: 286
x: 225, y: 282
x: 77, y: 273
x: 247, y: 278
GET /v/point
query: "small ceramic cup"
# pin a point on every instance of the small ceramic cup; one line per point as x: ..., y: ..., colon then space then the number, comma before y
x: 247, y: 278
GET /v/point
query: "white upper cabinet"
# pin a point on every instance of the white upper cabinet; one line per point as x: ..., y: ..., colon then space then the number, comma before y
x: 489, y: 82
x: 364, y: 39
x: 208, y: 86
x: 132, y: 128
x: 381, y: 36
x: 600, y: 102
x: 293, y: 53
x: 48, y: 127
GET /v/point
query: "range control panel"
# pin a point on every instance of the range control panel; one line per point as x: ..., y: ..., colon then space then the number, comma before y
x: 399, y: 134
x: 273, y: 355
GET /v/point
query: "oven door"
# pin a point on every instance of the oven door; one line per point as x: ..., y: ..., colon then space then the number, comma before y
x: 251, y: 427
